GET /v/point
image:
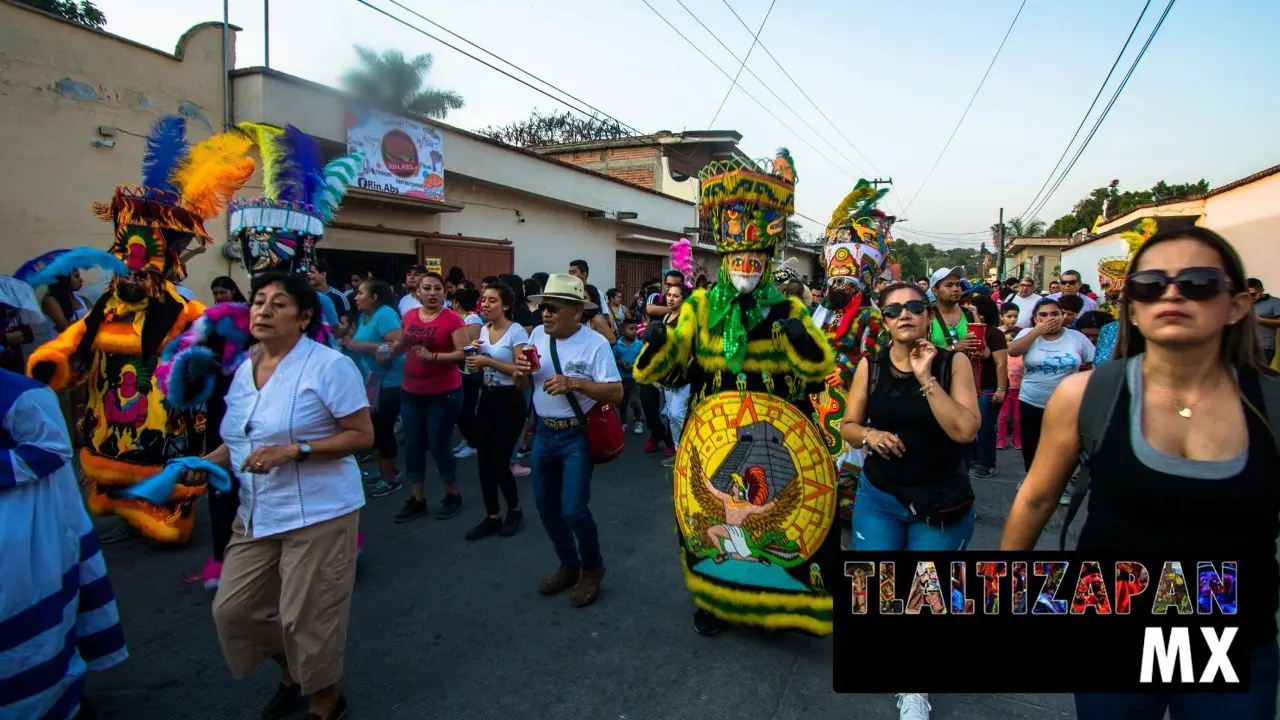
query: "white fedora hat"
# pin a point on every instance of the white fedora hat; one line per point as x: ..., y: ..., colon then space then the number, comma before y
x: 563, y: 286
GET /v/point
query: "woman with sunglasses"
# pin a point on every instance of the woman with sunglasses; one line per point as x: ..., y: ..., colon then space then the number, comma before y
x: 914, y: 409
x: 1050, y: 353
x: 1186, y: 463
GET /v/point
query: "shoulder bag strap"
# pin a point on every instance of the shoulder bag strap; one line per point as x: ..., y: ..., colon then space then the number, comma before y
x: 1270, y: 386
x: 571, y: 396
x: 1096, y: 409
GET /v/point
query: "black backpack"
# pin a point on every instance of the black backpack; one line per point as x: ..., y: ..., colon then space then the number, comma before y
x: 1098, y: 405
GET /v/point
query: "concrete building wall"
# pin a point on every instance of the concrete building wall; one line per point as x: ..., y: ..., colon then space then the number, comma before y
x: 1249, y: 217
x: 60, y: 82
x: 1084, y: 258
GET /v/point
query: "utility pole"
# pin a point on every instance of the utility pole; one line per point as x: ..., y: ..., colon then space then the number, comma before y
x: 1000, y: 251
x: 266, y: 34
x: 878, y: 182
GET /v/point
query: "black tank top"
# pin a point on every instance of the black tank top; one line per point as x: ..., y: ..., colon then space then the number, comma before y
x: 895, y: 405
x: 1135, y: 507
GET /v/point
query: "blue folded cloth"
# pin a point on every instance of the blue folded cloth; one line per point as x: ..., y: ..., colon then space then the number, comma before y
x: 159, y: 487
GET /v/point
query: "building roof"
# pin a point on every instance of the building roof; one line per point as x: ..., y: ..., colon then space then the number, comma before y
x: 258, y: 70
x: 662, y: 137
x: 1037, y: 242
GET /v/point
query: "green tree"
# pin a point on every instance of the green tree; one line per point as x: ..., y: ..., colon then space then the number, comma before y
x: 1018, y: 227
x: 909, y: 258
x: 1086, y: 212
x: 393, y: 82
x: 84, y: 12
x: 555, y: 128
x: 1063, y: 226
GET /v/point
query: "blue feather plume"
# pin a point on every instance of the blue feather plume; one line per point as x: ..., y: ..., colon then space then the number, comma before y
x: 299, y: 173
x: 166, y: 149
x: 75, y: 259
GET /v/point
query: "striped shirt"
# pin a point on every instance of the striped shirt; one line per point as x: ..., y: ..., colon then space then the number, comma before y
x: 58, y: 616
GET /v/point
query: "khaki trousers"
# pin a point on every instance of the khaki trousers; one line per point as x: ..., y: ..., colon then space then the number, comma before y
x: 289, y: 594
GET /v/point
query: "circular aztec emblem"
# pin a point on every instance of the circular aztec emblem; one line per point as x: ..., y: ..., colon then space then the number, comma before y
x: 753, y: 475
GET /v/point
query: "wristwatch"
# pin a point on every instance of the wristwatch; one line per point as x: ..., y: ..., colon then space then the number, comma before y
x: 304, y: 451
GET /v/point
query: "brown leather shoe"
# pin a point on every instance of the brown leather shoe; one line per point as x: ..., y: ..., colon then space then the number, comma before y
x: 564, y: 578
x: 588, y: 587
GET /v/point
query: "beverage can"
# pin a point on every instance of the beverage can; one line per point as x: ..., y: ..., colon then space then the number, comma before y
x: 531, y: 354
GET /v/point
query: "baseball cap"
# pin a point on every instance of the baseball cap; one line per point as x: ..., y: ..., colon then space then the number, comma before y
x: 943, y: 273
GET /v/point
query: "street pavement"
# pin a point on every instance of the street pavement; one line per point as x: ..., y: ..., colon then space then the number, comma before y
x: 445, y: 628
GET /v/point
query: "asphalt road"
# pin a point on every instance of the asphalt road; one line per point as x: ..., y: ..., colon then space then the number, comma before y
x: 445, y: 628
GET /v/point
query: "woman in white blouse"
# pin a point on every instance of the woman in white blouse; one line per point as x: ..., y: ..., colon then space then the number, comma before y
x: 501, y: 410
x: 296, y: 412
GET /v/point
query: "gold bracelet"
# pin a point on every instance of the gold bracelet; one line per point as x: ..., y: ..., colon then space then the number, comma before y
x: 924, y: 389
x: 866, y: 434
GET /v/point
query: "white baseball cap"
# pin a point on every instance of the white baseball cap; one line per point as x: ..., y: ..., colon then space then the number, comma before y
x: 943, y: 273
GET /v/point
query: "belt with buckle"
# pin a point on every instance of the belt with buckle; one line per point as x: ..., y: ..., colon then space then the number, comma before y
x: 560, y: 423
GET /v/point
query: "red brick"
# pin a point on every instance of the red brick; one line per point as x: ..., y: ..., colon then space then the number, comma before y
x: 630, y: 153
x: 642, y: 177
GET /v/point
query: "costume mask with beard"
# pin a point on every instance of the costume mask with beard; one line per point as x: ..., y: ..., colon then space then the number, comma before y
x: 745, y: 269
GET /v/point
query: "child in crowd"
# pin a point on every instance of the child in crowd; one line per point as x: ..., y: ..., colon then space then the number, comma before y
x: 1010, y: 415
x: 1071, y: 306
x: 1091, y: 323
x: 625, y: 352
x: 1009, y: 318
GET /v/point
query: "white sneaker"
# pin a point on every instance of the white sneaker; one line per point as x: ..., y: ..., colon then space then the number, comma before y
x: 1065, y: 499
x: 913, y: 706
x: 466, y: 452
x: 458, y: 448
x: 639, y: 428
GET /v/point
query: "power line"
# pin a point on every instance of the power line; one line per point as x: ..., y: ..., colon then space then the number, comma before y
x: 744, y: 92
x: 1107, y: 110
x: 805, y: 94
x: 491, y: 66
x: 967, y: 107
x: 1093, y: 104
x: 755, y: 40
x: 765, y: 85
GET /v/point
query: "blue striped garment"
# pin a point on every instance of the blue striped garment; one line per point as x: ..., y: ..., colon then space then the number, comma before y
x: 58, y: 616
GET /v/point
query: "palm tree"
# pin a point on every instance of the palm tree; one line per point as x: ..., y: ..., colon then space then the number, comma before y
x: 1019, y: 227
x: 391, y: 81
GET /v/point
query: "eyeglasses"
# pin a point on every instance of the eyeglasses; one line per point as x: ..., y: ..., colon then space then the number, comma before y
x: 1196, y: 284
x: 1070, y: 282
x: 549, y: 308
x: 915, y: 307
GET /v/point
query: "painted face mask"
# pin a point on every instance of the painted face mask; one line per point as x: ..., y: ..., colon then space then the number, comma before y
x: 745, y: 269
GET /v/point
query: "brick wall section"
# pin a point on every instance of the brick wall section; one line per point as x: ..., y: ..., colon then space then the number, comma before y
x: 642, y: 176
x: 631, y: 153
x: 580, y: 158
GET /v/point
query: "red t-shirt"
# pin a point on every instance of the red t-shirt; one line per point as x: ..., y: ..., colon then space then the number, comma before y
x: 421, y: 377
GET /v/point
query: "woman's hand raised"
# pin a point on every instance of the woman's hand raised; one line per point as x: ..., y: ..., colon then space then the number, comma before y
x: 922, y: 354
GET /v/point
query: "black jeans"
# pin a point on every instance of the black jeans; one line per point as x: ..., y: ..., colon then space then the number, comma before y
x: 384, y: 422
x: 501, y: 413
x: 651, y: 403
x: 1032, y: 419
x: 222, y: 513
x: 467, y: 425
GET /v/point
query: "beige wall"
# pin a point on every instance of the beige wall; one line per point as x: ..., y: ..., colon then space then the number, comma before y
x: 60, y: 82
x: 1249, y: 217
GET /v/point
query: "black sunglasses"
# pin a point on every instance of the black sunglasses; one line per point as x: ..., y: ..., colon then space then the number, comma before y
x: 1196, y: 284
x: 549, y: 308
x: 915, y: 307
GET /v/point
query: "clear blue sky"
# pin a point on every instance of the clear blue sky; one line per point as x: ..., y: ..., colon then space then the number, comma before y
x: 893, y: 76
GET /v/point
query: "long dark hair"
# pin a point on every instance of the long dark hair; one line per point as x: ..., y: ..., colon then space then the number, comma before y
x: 986, y: 309
x: 506, y: 295
x: 892, y: 288
x: 1239, y: 347
x: 298, y: 287
x: 60, y: 291
x: 222, y: 282
x: 382, y: 292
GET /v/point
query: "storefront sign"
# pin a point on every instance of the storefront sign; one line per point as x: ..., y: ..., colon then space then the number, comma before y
x: 401, y: 156
x: 434, y: 265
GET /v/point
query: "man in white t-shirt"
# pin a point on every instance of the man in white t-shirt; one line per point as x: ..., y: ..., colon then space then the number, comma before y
x: 571, y: 377
x: 1026, y: 299
x: 1070, y: 283
x: 412, y: 277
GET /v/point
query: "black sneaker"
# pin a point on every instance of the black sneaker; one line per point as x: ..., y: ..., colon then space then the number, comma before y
x: 283, y: 703
x: 412, y: 510
x: 984, y: 472
x: 337, y: 712
x: 449, y: 506
x: 487, y: 527
x: 706, y: 624
x: 513, y: 523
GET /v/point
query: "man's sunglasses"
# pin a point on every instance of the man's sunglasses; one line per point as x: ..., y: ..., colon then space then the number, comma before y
x: 549, y: 308
x: 915, y: 307
x: 1196, y: 284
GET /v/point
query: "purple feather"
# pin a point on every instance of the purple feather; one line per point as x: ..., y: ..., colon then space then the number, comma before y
x: 166, y: 149
x: 299, y: 172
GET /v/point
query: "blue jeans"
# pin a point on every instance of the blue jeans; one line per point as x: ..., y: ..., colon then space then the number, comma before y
x: 984, y: 446
x: 562, y: 470
x: 880, y: 522
x: 1259, y: 702
x: 427, y: 422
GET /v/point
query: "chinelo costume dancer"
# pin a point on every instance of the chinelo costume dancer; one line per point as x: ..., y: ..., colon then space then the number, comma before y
x: 755, y: 490
x: 277, y: 232
x: 857, y: 242
x: 57, y: 606
x: 129, y: 428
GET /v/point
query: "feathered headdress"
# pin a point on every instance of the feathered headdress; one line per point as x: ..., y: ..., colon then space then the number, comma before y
x: 182, y: 188
x: 745, y: 204
x: 857, y: 238
x: 682, y: 258
x: 301, y: 194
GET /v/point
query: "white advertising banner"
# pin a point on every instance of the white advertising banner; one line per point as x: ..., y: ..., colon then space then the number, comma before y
x: 401, y: 156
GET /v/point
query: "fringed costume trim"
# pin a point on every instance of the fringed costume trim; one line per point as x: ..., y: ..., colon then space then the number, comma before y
x: 773, y: 611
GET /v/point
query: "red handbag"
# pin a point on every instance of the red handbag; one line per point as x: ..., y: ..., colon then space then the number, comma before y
x: 606, y: 438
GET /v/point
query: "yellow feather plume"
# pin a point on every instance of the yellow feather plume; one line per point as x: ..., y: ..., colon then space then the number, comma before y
x: 1139, y: 234
x: 212, y: 173
x: 264, y: 136
x: 846, y: 208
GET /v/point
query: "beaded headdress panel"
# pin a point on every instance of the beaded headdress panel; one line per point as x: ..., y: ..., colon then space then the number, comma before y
x: 182, y: 188
x: 857, y: 238
x: 279, y: 230
x: 745, y: 205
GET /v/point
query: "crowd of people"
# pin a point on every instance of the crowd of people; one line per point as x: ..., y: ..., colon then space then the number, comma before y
x: 272, y: 400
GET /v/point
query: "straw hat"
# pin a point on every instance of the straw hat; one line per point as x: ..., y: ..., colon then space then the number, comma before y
x: 563, y: 286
